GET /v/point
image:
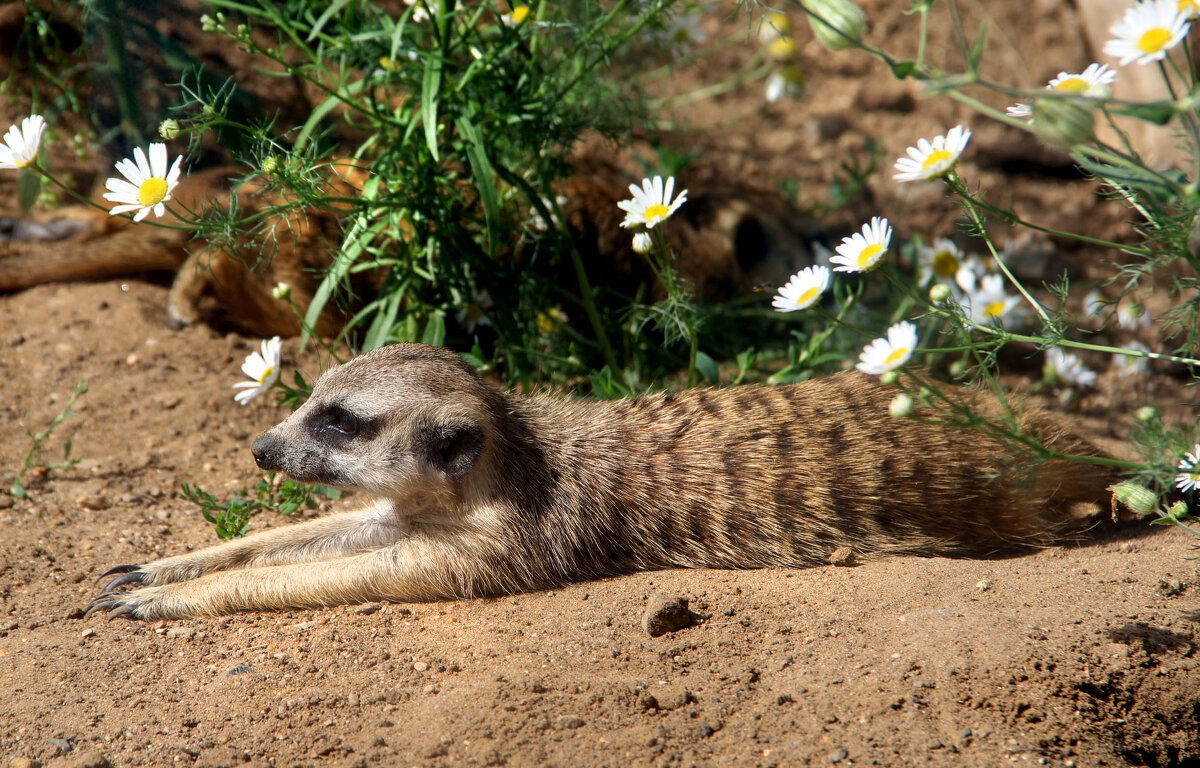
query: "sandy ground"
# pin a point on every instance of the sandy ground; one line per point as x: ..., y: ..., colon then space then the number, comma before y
x: 1082, y: 654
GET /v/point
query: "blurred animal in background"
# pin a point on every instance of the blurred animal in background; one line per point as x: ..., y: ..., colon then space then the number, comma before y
x: 729, y: 237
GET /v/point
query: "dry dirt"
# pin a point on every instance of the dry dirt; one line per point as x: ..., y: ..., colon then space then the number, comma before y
x: 1081, y: 655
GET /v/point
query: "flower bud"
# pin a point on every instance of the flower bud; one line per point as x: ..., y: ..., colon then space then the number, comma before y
x: 281, y: 291
x: 787, y: 80
x: 1062, y: 124
x: 1136, y: 498
x: 939, y: 293
x: 782, y: 48
x: 841, y: 23
x: 1146, y: 413
x: 901, y: 406
x: 642, y: 242
x: 1178, y: 509
x: 889, y: 378
x: 169, y: 129
x: 270, y: 164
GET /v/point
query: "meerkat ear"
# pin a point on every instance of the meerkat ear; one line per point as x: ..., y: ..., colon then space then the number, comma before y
x: 451, y: 448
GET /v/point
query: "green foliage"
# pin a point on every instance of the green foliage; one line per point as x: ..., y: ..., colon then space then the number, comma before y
x: 30, y: 461
x: 231, y: 518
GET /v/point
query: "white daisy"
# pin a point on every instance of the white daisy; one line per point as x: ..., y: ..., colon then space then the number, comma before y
x: 1132, y: 314
x: 1020, y: 112
x: 685, y: 31
x: 1188, y: 478
x: 651, y: 203
x: 1147, y: 31
x: 928, y: 160
x: 262, y: 369
x: 883, y: 355
x: 474, y: 313
x: 1068, y: 369
x: 1131, y: 365
x: 149, y: 184
x: 20, y: 147
x: 974, y: 268
x: 514, y: 18
x: 861, y: 252
x: 774, y: 25
x: 991, y: 304
x: 803, y: 290
x: 1095, y: 302
x: 939, y: 262
x: 537, y: 222
x: 1093, y: 81
x: 787, y: 80
x: 420, y: 13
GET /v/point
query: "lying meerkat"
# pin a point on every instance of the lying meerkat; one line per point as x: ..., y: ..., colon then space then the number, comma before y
x: 482, y: 492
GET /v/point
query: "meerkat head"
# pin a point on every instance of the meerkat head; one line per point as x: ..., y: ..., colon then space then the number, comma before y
x: 401, y: 421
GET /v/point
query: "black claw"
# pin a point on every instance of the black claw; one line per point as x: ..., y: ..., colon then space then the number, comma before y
x: 117, y: 569
x: 127, y: 610
x: 99, y: 603
x: 134, y: 577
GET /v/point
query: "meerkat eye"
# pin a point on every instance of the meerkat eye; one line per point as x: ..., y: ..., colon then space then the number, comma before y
x: 343, y: 421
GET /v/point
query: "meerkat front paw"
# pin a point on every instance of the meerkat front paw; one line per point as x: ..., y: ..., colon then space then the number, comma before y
x: 146, y: 604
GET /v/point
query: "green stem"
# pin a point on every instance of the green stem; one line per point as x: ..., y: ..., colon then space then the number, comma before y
x: 116, y: 55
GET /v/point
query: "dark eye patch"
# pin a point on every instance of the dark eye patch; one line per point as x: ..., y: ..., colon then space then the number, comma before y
x: 338, y: 426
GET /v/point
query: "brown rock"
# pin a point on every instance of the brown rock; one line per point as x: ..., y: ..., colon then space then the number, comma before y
x: 666, y: 614
x: 843, y: 557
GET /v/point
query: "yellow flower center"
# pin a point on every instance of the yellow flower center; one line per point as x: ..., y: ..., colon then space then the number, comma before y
x: 519, y: 14
x: 807, y: 296
x: 781, y: 48
x: 655, y: 213
x: 1073, y: 85
x: 867, y: 254
x: 1153, y: 40
x: 152, y: 191
x: 266, y: 374
x: 994, y: 309
x: 945, y: 264
x: 935, y: 157
x: 896, y: 355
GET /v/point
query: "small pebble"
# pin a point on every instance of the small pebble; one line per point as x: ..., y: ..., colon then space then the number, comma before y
x: 842, y: 557
x: 566, y: 722
x: 1170, y: 587
x: 983, y: 585
x: 838, y: 755
x: 666, y: 614
x: 421, y: 666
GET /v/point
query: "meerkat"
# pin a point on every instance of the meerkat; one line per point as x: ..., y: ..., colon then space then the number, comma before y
x: 478, y: 492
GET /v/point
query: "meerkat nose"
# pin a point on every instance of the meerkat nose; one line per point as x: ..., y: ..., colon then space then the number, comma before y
x: 266, y: 452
